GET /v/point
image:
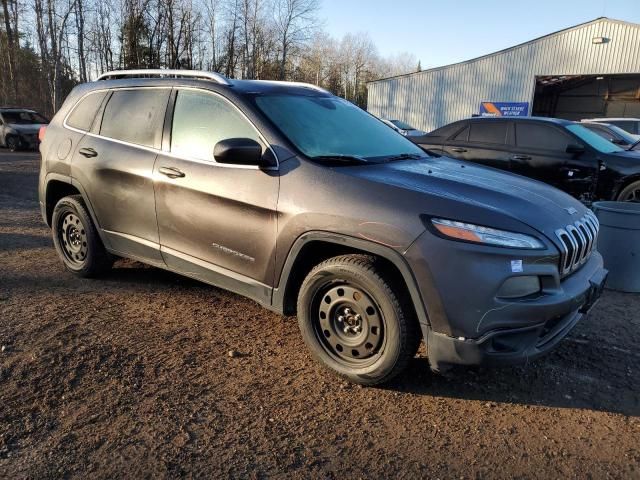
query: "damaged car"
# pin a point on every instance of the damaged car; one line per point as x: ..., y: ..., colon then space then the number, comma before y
x: 303, y: 202
x: 562, y: 153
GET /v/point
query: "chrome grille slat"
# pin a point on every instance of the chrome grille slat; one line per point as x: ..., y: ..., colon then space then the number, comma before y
x: 578, y: 241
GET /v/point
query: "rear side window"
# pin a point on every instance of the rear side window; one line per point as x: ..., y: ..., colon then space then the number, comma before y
x: 135, y: 116
x: 85, y: 111
x: 488, y: 132
x: 532, y: 135
x: 200, y: 120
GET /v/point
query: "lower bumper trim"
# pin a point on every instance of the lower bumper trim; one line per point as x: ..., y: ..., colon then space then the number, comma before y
x: 500, y: 347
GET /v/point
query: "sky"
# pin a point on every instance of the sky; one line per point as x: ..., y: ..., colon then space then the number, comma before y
x: 441, y: 32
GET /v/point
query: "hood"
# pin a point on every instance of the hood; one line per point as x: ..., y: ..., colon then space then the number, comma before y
x: 448, y: 183
x: 26, y: 128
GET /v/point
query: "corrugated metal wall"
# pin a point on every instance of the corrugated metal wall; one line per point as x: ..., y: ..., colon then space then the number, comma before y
x: 433, y: 98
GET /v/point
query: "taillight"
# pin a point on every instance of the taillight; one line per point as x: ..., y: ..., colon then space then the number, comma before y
x: 41, y: 133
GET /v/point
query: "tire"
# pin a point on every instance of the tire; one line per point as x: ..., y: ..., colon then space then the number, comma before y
x: 13, y: 143
x: 353, y: 321
x: 76, y: 239
x: 630, y: 193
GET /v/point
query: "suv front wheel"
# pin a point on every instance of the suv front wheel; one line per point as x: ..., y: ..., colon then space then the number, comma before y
x: 353, y: 321
x: 76, y: 239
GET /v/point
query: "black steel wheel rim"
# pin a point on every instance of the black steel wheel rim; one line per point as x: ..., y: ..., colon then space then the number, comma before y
x: 633, y: 196
x: 73, y: 238
x: 348, y: 324
x: 12, y: 143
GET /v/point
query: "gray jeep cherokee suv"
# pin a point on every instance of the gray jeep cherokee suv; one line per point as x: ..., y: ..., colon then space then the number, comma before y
x: 303, y: 202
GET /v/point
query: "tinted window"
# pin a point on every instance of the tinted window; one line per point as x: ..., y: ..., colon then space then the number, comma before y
x: 488, y: 132
x: 463, y: 135
x: 200, y: 120
x: 533, y: 135
x: 330, y: 126
x: 84, y: 112
x: 135, y: 116
x: 447, y: 130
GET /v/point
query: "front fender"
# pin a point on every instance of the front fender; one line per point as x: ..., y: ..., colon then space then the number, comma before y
x: 366, y: 246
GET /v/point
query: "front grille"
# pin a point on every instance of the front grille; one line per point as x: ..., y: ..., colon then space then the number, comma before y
x: 578, y: 241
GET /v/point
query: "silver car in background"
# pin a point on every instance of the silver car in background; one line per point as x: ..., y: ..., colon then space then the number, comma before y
x: 19, y: 128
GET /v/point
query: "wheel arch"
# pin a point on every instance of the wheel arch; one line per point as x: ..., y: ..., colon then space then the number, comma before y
x: 59, y: 186
x: 56, y: 189
x: 312, y: 248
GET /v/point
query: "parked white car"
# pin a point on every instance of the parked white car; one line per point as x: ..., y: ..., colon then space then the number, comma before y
x: 631, y: 125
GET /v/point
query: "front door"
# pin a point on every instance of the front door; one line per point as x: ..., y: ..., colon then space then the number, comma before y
x: 540, y: 152
x: 217, y: 222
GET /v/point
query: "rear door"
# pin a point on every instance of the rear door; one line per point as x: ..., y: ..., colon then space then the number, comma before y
x: 540, y: 152
x: 483, y: 142
x: 217, y: 221
x: 114, y: 164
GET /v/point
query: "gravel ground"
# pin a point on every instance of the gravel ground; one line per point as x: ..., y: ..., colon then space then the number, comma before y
x: 130, y: 376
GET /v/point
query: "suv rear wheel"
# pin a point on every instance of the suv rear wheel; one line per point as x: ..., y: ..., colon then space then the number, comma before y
x: 76, y: 239
x: 353, y: 321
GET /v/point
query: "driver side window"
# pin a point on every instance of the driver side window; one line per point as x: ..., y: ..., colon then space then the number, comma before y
x: 201, y: 120
x: 531, y: 135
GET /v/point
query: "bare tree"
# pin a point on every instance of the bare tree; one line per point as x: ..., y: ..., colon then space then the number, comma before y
x: 294, y: 22
x: 12, y: 41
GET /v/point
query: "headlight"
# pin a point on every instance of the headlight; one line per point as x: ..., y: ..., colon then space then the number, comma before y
x: 488, y: 236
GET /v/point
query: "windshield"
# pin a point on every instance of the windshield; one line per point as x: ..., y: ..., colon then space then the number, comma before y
x: 627, y: 137
x: 332, y: 126
x: 23, y: 117
x: 402, y: 125
x: 596, y: 141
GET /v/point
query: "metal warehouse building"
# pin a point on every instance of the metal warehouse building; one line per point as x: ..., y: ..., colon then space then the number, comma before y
x: 590, y: 70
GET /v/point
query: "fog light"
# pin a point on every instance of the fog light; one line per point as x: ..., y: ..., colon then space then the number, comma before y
x: 516, y: 287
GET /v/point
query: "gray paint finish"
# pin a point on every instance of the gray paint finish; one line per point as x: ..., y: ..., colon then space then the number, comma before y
x: 436, y: 97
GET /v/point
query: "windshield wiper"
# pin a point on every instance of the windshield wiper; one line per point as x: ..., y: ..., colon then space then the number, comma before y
x: 404, y: 156
x: 631, y: 147
x: 340, y: 158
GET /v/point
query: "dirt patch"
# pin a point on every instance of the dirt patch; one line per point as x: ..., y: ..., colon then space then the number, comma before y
x: 130, y: 376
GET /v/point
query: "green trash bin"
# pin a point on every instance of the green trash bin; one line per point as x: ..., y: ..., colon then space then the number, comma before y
x: 619, y: 243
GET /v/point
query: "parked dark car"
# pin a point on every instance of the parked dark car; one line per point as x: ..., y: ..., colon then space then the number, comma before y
x: 19, y: 128
x: 614, y: 134
x: 561, y: 153
x: 305, y: 203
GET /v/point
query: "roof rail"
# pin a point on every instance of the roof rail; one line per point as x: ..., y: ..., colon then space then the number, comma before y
x: 159, y: 72
x: 298, y: 84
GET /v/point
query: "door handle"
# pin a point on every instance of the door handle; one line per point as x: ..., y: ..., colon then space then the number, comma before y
x: 88, y: 152
x: 521, y: 157
x: 458, y: 149
x: 171, y: 172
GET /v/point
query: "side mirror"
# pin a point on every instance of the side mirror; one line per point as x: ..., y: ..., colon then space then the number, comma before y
x: 238, y: 151
x: 575, y: 148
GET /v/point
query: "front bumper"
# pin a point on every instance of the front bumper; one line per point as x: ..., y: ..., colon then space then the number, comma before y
x: 470, y: 325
